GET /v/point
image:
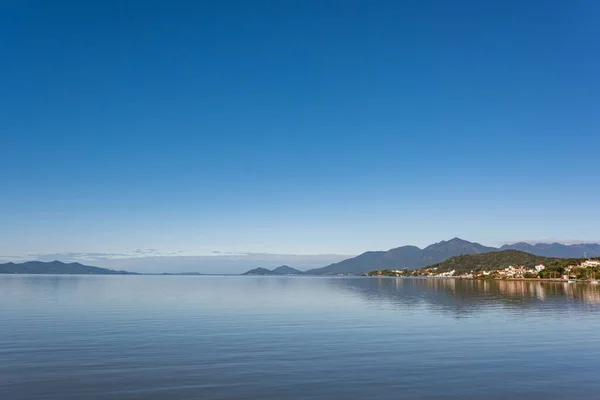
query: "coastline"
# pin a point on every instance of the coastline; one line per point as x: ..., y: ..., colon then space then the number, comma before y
x: 559, y: 280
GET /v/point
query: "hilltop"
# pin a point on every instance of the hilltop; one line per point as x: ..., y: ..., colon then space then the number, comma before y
x: 56, y: 267
x: 286, y: 270
x: 282, y: 270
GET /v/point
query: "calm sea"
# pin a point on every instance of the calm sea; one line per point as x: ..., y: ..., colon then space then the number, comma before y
x: 172, y: 337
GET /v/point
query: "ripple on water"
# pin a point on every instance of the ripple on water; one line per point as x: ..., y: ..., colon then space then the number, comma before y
x: 111, y: 337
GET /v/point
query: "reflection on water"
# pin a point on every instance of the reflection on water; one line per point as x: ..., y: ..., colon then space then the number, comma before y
x: 465, y: 296
x: 268, y: 338
x: 454, y: 296
x: 43, y: 285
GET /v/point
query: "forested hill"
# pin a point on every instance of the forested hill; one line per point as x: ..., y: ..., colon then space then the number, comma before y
x: 498, y: 260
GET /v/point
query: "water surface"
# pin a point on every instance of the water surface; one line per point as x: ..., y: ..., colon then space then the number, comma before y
x: 203, y: 337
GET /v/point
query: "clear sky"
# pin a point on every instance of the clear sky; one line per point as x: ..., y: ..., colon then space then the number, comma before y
x: 296, y: 127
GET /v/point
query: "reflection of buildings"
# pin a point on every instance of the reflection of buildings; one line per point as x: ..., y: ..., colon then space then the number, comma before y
x: 531, y: 290
x: 584, y: 292
x: 467, y: 296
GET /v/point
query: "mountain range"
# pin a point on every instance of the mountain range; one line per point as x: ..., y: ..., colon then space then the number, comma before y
x: 412, y: 257
x: 55, y: 267
x: 405, y: 257
x: 557, y: 249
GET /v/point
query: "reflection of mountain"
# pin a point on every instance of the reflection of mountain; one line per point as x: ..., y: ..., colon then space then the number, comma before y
x: 464, y: 297
x: 50, y: 286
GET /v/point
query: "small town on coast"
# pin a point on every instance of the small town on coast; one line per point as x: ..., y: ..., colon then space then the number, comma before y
x: 572, y: 270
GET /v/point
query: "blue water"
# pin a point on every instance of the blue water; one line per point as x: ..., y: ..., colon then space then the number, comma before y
x: 171, y: 337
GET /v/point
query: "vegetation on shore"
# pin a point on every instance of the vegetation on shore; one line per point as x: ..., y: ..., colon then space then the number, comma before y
x: 493, y: 265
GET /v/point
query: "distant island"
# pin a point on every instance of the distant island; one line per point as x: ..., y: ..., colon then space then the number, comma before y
x: 56, y: 267
x: 283, y: 270
x: 507, y: 264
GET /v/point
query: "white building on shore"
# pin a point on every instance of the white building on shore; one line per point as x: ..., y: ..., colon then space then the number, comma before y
x: 540, y: 267
x: 590, y: 263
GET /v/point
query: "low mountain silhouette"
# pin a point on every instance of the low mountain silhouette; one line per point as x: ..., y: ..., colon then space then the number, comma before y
x: 355, y: 265
x: 283, y: 270
x: 55, y: 267
x: 409, y: 257
x: 258, y: 271
x: 286, y: 270
x: 557, y: 249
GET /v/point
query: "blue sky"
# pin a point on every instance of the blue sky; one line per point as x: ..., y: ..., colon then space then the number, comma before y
x: 296, y: 127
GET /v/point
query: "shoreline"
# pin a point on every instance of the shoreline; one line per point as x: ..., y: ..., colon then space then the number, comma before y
x: 559, y: 280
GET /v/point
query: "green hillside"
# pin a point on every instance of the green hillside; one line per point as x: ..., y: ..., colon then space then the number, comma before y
x: 489, y: 261
x: 496, y: 260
